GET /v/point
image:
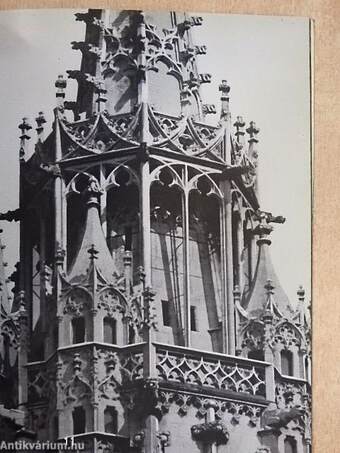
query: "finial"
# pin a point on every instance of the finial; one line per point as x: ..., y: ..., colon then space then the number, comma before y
x: 253, y: 130
x: 101, y: 92
x: 141, y: 274
x: 263, y: 229
x: 301, y: 293
x: 60, y: 85
x: 24, y: 127
x: 268, y: 314
x: 93, y: 191
x: 60, y: 256
x: 40, y: 120
x: 21, y: 302
x: 110, y: 363
x: 237, y: 292
x: 239, y: 125
x: 149, y: 320
x: 224, y: 88
x: 76, y: 363
x: 269, y: 288
x: 93, y: 252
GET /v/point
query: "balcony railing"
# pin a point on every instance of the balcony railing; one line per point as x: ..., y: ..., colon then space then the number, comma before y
x: 206, y: 369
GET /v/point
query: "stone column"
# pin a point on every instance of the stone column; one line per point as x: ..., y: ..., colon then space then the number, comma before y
x: 186, y: 259
x: 229, y: 317
x: 267, y: 318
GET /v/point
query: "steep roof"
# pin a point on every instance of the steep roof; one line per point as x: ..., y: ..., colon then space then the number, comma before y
x: 93, y: 241
x: 255, y: 302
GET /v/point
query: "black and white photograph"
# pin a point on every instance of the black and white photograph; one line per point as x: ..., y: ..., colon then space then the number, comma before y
x: 155, y: 245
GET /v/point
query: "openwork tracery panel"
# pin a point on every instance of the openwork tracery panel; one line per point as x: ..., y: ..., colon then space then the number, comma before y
x: 211, y: 372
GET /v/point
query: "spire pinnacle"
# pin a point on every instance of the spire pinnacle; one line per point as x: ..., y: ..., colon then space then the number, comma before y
x: 40, y: 120
x: 24, y: 127
x: 93, y: 243
x: 224, y: 88
x: 265, y: 278
x: 60, y: 85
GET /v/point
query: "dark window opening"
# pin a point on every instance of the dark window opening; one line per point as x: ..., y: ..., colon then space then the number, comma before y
x: 132, y: 335
x: 110, y: 420
x: 56, y: 336
x: 110, y: 331
x: 193, y: 319
x: 79, y: 420
x: 166, y: 313
x: 256, y: 354
x: 287, y: 363
x: 78, y: 327
x: 56, y: 426
x: 306, y: 367
x: 290, y: 445
x: 128, y: 238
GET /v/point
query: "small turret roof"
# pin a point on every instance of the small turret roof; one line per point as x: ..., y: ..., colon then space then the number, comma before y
x: 93, y: 240
x: 256, y: 299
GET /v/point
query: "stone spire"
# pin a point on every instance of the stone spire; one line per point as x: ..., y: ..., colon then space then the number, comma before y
x: 265, y: 278
x: 93, y: 242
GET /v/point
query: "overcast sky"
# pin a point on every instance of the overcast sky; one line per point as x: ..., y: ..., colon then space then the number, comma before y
x: 264, y: 59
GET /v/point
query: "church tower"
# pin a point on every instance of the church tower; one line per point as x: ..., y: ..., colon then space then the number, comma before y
x: 154, y: 320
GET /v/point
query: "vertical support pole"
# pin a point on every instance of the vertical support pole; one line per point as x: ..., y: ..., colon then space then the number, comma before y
x: 103, y: 203
x: 240, y: 242
x: 60, y: 230
x: 145, y: 219
x: 22, y: 353
x: 186, y: 259
x: 268, y: 357
x: 224, y: 279
x: 237, y: 297
x: 211, y: 418
x: 253, y: 257
x: 230, y: 312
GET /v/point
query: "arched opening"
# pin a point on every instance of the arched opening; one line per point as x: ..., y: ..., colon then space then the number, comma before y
x: 110, y: 330
x: 306, y: 363
x: 121, y: 86
x: 76, y: 217
x: 162, y: 82
x: 286, y: 362
x: 79, y: 420
x: 237, y: 247
x: 110, y: 420
x: 167, y: 253
x: 132, y: 335
x: 122, y: 216
x: 256, y: 354
x: 78, y: 330
x: 205, y: 264
x: 248, y: 257
x: 290, y: 445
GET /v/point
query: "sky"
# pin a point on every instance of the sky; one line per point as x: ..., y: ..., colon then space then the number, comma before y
x: 265, y: 61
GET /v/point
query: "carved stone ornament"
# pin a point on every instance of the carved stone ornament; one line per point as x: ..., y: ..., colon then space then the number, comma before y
x: 138, y: 439
x: 111, y: 302
x: 272, y: 417
x: 287, y: 335
x: 210, y: 432
x: 77, y: 301
x: 164, y: 439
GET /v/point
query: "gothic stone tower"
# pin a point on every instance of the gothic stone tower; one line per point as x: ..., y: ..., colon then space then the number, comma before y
x: 155, y: 320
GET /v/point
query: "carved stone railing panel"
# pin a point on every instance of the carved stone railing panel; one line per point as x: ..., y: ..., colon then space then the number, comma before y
x: 290, y: 392
x: 131, y: 364
x: 211, y: 370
